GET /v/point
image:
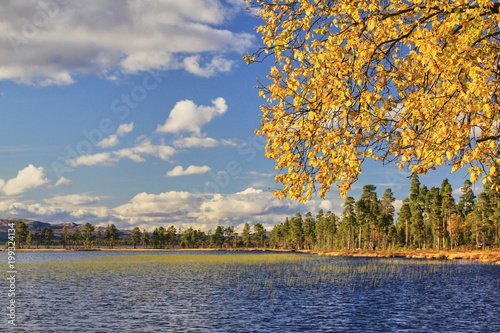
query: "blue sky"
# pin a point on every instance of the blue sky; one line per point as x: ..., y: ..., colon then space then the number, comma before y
x: 142, y: 113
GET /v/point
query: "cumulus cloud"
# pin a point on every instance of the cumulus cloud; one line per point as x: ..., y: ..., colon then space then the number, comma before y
x: 190, y: 170
x: 26, y: 179
x: 171, y: 206
x: 100, y: 159
x: 181, y: 209
x: 258, y: 174
x: 186, y: 116
x: 63, y: 181
x: 218, y: 64
x: 250, y: 203
x: 112, y: 140
x: 193, y: 142
x: 56, y: 213
x: 124, y: 129
x: 136, y: 154
x: 197, y: 210
x: 72, y: 200
x: 52, y: 44
x: 202, y: 142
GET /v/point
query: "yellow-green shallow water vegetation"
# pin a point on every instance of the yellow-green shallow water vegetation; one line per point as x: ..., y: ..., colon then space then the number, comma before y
x: 148, y: 277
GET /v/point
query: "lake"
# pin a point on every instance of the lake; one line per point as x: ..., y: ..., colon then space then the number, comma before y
x: 200, y: 291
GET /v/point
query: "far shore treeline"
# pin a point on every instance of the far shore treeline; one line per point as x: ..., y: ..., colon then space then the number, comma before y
x: 428, y: 219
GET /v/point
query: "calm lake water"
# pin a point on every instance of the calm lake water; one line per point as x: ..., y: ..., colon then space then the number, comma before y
x: 119, y: 291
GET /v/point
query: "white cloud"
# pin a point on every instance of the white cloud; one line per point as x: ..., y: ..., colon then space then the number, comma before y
x: 193, y: 142
x: 250, y: 203
x: 108, y: 142
x: 171, y: 206
x: 202, y: 142
x: 260, y: 174
x: 190, y: 170
x: 105, y: 37
x: 72, y: 200
x: 63, y: 181
x: 187, y: 116
x: 100, y: 159
x: 217, y: 65
x: 26, y: 179
x: 124, y: 129
x: 135, y: 154
x: 181, y: 209
x: 56, y: 213
x: 199, y: 211
x: 112, y: 140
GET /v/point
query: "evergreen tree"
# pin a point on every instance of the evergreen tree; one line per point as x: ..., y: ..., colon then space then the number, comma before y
x: 162, y: 237
x: 386, y: 217
x: 47, y: 234
x: 135, y: 236
x: 218, y: 236
x: 64, y: 236
x: 98, y: 237
x: 404, y: 220
x: 76, y: 236
x: 145, y: 238
x: 111, y: 234
x: 38, y: 236
x: 276, y: 236
x: 21, y: 234
x: 466, y: 204
x: 171, y: 236
x: 349, y: 225
x: 29, y: 239
x: 245, y: 235
x: 296, y: 233
x: 436, y: 217
x: 88, y: 229
x: 309, y: 228
x: 482, y: 213
x: 286, y: 233
x: 320, y: 231
x: 417, y: 225
x: 367, y: 211
x: 155, y: 239
x: 447, y: 208
x: 260, y: 234
x: 229, y: 232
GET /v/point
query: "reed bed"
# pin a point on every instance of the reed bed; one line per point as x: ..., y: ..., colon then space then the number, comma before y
x: 158, y: 278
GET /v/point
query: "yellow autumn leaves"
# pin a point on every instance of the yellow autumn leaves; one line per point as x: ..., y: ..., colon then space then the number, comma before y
x: 415, y: 83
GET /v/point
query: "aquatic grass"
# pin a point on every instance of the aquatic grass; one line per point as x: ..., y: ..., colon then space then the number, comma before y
x: 152, y: 278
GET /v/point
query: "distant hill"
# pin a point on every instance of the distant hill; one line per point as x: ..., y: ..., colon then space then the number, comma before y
x: 56, y: 227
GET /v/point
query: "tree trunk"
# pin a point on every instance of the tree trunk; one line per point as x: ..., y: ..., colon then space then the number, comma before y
x: 359, y: 240
x: 406, y: 242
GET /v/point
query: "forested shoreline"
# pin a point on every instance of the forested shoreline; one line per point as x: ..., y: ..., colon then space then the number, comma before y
x: 428, y: 219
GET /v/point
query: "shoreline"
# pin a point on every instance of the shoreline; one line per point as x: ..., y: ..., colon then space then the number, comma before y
x: 491, y: 256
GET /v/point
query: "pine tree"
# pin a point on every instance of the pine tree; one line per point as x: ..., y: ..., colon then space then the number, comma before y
x: 447, y: 208
x: 309, y: 228
x: 349, y: 222
x: 404, y: 220
x: 135, y: 236
x: 386, y: 217
x: 296, y: 232
x: 145, y: 238
x: 111, y: 234
x: 64, y: 235
x: 245, y: 235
